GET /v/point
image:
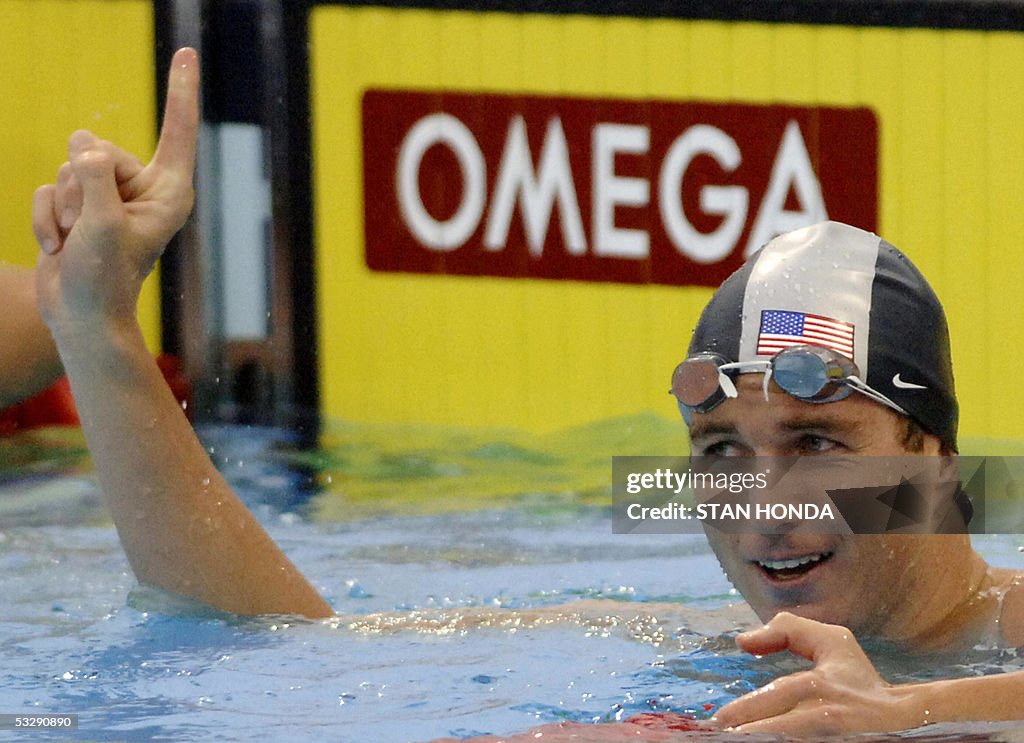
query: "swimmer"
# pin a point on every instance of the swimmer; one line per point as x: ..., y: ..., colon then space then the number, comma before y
x: 28, y: 358
x: 185, y: 531
x: 883, y: 326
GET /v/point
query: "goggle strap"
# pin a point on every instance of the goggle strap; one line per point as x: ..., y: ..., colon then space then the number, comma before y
x: 857, y: 383
x: 726, y: 384
x: 767, y: 380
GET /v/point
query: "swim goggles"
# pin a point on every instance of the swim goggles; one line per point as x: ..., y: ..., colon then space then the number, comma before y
x: 810, y: 373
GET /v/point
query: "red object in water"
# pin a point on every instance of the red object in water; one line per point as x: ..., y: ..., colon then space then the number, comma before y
x: 55, y: 405
x: 649, y: 727
x: 670, y: 721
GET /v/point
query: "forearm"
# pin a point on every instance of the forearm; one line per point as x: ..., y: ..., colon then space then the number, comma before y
x: 181, y: 526
x: 995, y: 697
x: 28, y: 357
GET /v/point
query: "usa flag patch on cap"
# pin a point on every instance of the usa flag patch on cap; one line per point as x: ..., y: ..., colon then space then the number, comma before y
x: 783, y: 328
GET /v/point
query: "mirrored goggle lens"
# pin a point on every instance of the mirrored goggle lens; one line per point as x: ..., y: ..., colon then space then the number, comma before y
x: 815, y: 375
x: 695, y: 382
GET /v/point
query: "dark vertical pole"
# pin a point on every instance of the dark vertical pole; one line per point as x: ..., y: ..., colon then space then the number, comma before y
x: 255, y: 69
x: 170, y: 265
x: 185, y: 289
x: 294, y: 111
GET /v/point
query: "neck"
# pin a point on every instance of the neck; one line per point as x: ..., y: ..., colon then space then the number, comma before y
x: 956, y: 608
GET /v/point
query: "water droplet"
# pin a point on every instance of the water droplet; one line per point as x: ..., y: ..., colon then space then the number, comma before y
x: 356, y: 591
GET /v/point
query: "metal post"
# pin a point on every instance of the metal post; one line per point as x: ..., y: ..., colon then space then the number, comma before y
x: 247, y: 374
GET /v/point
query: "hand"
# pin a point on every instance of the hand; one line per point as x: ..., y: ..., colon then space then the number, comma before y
x: 843, y: 693
x: 108, y: 218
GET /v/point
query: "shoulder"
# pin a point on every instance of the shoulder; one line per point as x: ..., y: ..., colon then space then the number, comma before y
x: 1011, y: 615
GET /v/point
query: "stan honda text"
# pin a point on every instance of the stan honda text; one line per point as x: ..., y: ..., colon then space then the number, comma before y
x: 732, y: 511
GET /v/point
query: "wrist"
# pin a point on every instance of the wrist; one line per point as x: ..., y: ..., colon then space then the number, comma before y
x: 92, y: 334
x: 923, y: 703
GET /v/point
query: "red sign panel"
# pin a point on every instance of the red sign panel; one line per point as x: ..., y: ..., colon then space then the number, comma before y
x: 602, y: 190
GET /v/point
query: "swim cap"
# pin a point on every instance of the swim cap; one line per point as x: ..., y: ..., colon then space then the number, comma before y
x: 840, y: 287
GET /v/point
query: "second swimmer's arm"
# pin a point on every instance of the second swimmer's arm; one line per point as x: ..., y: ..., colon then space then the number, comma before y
x: 28, y: 358
x: 181, y: 526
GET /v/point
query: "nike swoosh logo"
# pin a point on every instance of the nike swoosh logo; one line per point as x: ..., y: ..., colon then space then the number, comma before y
x: 897, y: 382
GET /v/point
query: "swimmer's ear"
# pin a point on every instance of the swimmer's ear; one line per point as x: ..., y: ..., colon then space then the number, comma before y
x: 931, y: 445
x: 961, y: 510
x: 950, y: 462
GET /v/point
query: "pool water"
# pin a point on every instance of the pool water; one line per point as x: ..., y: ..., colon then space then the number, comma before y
x: 440, y: 530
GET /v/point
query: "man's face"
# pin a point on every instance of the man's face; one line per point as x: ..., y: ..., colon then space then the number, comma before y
x: 868, y: 583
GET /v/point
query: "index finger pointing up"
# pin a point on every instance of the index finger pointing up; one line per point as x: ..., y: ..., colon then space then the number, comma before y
x: 177, y: 147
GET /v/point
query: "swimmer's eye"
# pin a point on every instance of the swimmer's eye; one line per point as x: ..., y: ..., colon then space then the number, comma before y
x: 725, y: 448
x: 814, y: 444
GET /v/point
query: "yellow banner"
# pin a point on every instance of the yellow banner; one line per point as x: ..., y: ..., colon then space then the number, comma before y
x: 548, y: 354
x: 67, y: 65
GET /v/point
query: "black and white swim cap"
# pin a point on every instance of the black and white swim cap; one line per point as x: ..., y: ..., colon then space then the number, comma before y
x: 840, y: 287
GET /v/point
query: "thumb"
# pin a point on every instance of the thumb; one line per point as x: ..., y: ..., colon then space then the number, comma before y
x: 94, y: 166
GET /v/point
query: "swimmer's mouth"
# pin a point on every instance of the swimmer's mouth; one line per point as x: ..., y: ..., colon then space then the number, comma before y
x: 792, y: 568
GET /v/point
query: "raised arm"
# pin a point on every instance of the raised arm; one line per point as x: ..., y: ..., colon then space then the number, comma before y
x: 102, y: 227
x: 28, y: 358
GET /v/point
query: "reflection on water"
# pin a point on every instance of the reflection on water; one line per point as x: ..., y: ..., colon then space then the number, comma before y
x: 481, y: 587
